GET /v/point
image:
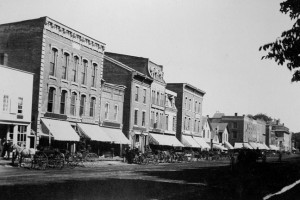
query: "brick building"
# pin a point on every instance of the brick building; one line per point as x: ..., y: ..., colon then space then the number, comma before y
x: 16, y: 88
x: 189, y: 105
x: 136, y: 117
x: 67, y: 67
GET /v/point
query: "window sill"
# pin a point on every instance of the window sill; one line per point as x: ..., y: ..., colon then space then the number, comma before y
x: 65, y: 81
x: 84, y: 86
x: 73, y: 83
x: 93, y: 88
x: 52, y: 77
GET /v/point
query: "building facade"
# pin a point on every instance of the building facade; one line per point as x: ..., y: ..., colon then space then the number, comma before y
x: 67, y: 67
x: 189, y: 105
x: 136, y: 117
x: 16, y: 88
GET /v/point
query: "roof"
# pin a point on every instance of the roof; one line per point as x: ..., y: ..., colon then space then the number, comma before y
x: 219, y: 126
x: 188, y: 85
x: 218, y: 115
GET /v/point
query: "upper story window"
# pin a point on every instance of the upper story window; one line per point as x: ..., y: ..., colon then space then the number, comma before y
x: 92, y: 106
x: 157, y: 98
x: 116, y: 109
x: 74, y: 69
x: 153, y: 96
x: 190, y: 104
x: 144, y: 95
x: 143, y: 118
x: 65, y: 66
x: 1, y: 58
x: 84, y: 72
x: 174, y: 123
x: 136, y: 98
x: 51, y: 97
x: 94, y: 75
x: 5, y: 103
x: 20, y: 105
x: 199, y: 108
x: 53, y: 62
x: 135, y: 117
x: 162, y: 99
x: 234, y: 124
x: 185, y: 103
x: 195, y: 108
x: 82, y: 105
x: 63, y: 99
x: 73, y: 103
x: 106, y: 111
x: 152, y: 118
x: 195, y: 125
x: 167, y: 122
x: 184, y: 124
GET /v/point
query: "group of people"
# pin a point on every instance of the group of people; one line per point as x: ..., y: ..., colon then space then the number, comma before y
x: 5, y: 148
x: 247, y: 156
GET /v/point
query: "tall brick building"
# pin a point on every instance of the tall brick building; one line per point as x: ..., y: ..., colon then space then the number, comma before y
x: 67, y: 67
x: 189, y: 105
x: 136, y: 117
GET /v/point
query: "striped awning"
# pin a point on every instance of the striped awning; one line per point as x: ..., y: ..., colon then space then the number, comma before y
x: 202, y: 142
x: 164, y: 140
x: 188, y: 141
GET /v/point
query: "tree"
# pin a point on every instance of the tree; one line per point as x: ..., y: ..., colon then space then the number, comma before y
x: 286, y: 48
x: 262, y: 116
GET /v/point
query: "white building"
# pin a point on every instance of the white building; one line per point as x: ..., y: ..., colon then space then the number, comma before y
x: 15, y: 106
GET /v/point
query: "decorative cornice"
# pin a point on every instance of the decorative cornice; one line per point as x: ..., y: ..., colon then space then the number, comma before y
x: 79, y: 38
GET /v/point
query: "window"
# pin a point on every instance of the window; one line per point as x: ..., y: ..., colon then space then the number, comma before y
x: 190, y: 104
x: 21, y: 137
x: 156, y: 120
x: 53, y: 62
x: 160, y: 120
x: 184, y: 124
x: 174, y: 123
x: 51, y: 97
x: 204, y: 133
x: 136, y: 93
x: 5, y: 103
x: 63, y: 102
x: 116, y: 112
x: 82, y: 105
x: 94, y: 73
x: 234, y: 134
x: 83, y: 73
x: 143, y: 118
x: 144, y: 95
x: 199, y: 108
x: 73, y: 103
x: 20, y: 105
x: 195, y: 106
x: 92, y: 106
x: 1, y: 58
x: 157, y: 98
x: 234, y: 124
x: 162, y: 99
x: 135, y: 117
x: 65, y: 66
x: 153, y: 96
x: 189, y: 124
x: 74, y: 69
x: 167, y: 122
x: 185, y: 103
x: 195, y: 126
x: 106, y: 110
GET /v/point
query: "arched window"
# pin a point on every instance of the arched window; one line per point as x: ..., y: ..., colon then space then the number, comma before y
x: 63, y: 100
x: 116, y: 112
x: 65, y: 66
x: 106, y: 110
x: 73, y: 103
x: 51, y: 98
x: 92, y: 106
x: 84, y: 72
x: 94, y: 75
x: 53, y: 62
x: 82, y: 105
x: 74, y: 69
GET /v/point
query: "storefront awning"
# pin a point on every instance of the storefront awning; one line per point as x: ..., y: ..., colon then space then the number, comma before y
x: 240, y: 145
x: 116, y: 135
x: 202, y: 142
x: 228, y: 145
x: 220, y: 147
x: 60, y: 130
x: 94, y: 132
x: 166, y: 140
x: 188, y: 141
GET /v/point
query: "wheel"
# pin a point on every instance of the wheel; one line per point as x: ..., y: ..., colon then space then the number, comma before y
x: 91, y: 157
x: 40, y: 161
x: 58, y: 161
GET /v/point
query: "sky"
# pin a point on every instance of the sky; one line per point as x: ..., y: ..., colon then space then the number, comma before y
x: 211, y: 44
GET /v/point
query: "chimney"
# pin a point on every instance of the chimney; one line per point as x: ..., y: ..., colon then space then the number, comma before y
x: 235, y: 114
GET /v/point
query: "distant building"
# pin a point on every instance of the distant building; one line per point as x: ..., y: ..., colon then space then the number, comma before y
x: 16, y: 88
x: 242, y: 129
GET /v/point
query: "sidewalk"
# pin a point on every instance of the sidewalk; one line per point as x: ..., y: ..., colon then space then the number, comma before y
x: 3, y: 162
